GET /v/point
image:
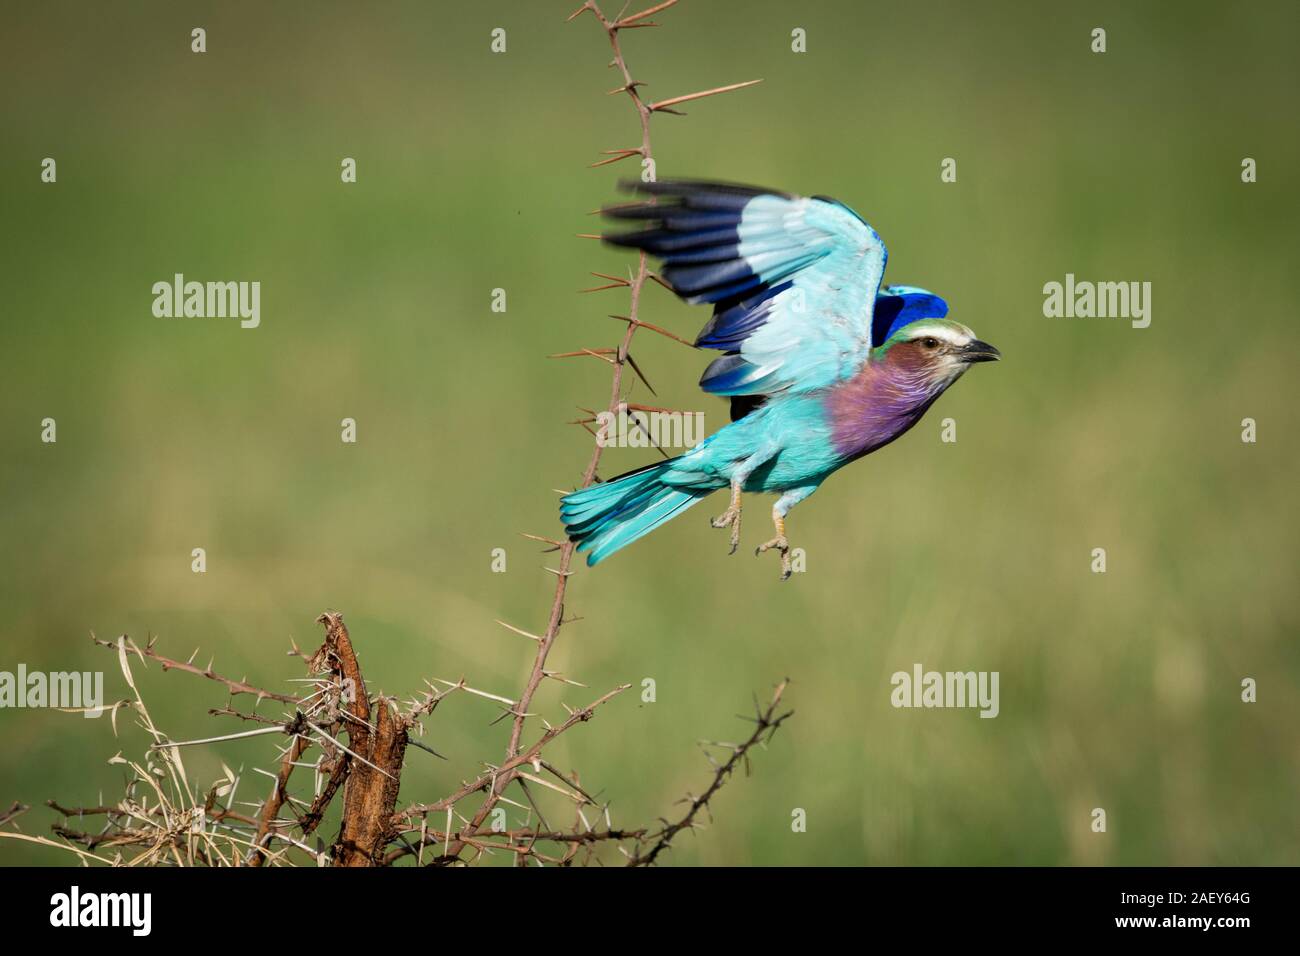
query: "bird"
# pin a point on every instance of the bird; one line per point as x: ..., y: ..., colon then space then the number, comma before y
x: 821, y: 363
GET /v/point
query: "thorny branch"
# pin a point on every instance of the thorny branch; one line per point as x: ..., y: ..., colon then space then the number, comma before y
x: 556, y: 616
x: 165, y: 823
x: 618, y: 358
x: 766, y: 721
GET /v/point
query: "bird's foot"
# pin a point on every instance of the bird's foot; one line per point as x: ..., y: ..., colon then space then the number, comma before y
x: 731, y: 518
x: 779, y: 543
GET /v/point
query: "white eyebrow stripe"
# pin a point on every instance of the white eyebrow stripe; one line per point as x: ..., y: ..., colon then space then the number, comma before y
x: 946, y: 332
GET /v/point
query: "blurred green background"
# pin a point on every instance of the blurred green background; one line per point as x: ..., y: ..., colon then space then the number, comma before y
x: 1118, y: 690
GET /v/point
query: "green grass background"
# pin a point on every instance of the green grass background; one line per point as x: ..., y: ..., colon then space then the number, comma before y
x: 1118, y: 690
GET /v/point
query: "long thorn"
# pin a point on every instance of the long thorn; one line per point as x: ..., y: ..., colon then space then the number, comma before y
x: 673, y: 101
x: 647, y: 12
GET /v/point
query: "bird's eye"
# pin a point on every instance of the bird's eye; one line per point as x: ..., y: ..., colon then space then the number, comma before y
x: 930, y: 342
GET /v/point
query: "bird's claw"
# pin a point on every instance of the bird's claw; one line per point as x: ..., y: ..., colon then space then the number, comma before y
x: 730, y: 517
x: 779, y: 543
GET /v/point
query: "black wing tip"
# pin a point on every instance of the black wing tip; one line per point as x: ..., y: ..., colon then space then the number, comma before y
x: 682, y: 189
x: 688, y: 187
x: 627, y: 240
x: 633, y: 210
x: 692, y: 198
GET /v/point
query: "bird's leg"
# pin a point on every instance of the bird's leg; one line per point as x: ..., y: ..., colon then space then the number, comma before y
x: 731, y: 517
x: 779, y: 543
x: 740, y: 473
x: 779, y: 511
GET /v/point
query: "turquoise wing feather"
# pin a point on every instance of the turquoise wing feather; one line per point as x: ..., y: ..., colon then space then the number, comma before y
x: 793, y: 280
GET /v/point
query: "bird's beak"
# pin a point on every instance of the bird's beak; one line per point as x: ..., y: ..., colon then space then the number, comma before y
x: 977, y: 351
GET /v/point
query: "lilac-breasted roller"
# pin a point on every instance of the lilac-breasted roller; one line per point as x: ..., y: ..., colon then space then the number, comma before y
x: 822, y: 364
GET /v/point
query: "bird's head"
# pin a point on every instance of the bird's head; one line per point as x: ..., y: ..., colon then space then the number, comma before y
x: 934, y: 352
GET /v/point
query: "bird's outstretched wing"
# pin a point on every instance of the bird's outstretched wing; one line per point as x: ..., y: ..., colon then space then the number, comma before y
x: 792, y: 280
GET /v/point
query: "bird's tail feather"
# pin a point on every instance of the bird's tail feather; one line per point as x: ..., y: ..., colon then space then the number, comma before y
x: 606, y: 517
